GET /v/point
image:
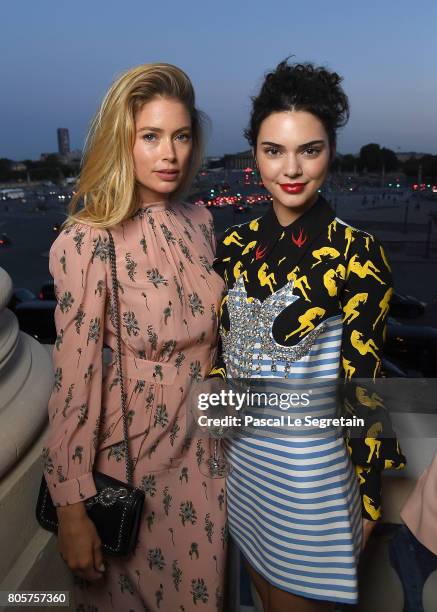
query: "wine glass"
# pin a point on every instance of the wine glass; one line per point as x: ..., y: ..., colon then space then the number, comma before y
x: 216, y: 465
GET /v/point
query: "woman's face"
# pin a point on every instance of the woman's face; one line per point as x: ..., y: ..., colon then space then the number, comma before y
x: 293, y: 156
x: 162, y: 148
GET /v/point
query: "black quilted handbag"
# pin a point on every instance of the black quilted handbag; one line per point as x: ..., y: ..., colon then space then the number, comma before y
x: 117, y: 507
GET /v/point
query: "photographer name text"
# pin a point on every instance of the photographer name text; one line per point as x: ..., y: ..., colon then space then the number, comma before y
x: 283, y: 420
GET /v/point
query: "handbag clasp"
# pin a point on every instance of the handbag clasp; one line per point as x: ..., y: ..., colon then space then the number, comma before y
x: 107, y: 497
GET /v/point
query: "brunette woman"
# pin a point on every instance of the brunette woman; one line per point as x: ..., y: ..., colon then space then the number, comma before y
x: 307, y: 300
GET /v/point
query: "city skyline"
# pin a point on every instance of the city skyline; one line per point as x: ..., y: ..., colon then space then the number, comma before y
x: 402, y: 155
x: 58, y: 62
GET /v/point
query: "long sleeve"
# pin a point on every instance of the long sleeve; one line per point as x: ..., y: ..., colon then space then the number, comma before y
x: 219, y: 265
x: 365, y: 304
x: 78, y: 264
x: 219, y: 367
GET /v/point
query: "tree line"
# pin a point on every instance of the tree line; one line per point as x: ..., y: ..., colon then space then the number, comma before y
x: 376, y: 159
x: 50, y: 168
x: 372, y: 158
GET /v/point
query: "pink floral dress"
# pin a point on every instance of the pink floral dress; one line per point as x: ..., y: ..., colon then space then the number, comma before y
x: 169, y: 300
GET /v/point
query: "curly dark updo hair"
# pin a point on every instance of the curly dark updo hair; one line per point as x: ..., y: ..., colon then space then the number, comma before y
x: 300, y: 87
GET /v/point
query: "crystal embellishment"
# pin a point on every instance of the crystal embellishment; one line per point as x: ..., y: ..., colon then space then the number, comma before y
x: 251, y: 323
x: 107, y: 497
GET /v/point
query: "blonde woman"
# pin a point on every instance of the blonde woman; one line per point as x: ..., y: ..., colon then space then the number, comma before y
x: 143, y: 150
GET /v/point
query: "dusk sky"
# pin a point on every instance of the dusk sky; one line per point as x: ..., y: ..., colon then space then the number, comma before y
x: 58, y: 58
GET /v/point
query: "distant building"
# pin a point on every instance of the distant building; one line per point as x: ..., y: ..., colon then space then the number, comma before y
x: 74, y: 156
x: 238, y: 161
x: 402, y: 157
x: 212, y: 162
x: 18, y: 166
x: 63, y: 141
x: 44, y: 156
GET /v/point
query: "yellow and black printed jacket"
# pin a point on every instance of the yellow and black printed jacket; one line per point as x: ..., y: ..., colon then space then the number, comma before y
x: 337, y: 271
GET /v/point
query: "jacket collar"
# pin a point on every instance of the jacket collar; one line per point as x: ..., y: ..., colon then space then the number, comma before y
x: 294, y: 238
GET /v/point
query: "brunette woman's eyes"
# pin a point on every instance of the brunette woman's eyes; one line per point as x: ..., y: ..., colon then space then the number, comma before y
x: 311, y: 152
x: 272, y: 151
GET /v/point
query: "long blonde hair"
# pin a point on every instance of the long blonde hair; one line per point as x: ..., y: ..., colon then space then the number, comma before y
x: 106, y: 191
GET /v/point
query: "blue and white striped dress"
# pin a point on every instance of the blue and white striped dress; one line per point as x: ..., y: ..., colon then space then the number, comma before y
x: 293, y: 500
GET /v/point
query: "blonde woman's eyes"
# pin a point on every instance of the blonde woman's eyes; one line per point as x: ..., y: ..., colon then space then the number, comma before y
x: 149, y: 137
x: 184, y: 137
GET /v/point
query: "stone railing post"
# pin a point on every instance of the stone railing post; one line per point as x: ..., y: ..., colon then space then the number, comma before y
x: 30, y: 559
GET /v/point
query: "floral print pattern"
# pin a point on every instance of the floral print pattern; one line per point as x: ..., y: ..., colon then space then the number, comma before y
x: 169, y: 299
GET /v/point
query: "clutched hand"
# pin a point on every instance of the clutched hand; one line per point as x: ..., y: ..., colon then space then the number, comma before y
x: 79, y: 543
x: 368, y: 527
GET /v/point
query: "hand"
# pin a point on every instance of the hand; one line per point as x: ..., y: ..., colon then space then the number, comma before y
x: 368, y: 527
x: 79, y: 543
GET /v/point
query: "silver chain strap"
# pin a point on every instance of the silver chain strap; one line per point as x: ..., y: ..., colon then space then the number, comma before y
x: 116, y: 311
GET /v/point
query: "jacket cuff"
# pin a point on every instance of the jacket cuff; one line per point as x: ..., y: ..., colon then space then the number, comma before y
x: 369, y: 479
x: 73, y: 490
x: 379, y: 454
x: 217, y: 372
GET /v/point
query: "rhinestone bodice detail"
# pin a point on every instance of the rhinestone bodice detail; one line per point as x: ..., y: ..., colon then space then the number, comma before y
x: 250, y: 339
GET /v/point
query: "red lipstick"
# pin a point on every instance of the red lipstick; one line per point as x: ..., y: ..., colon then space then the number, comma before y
x: 292, y: 187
